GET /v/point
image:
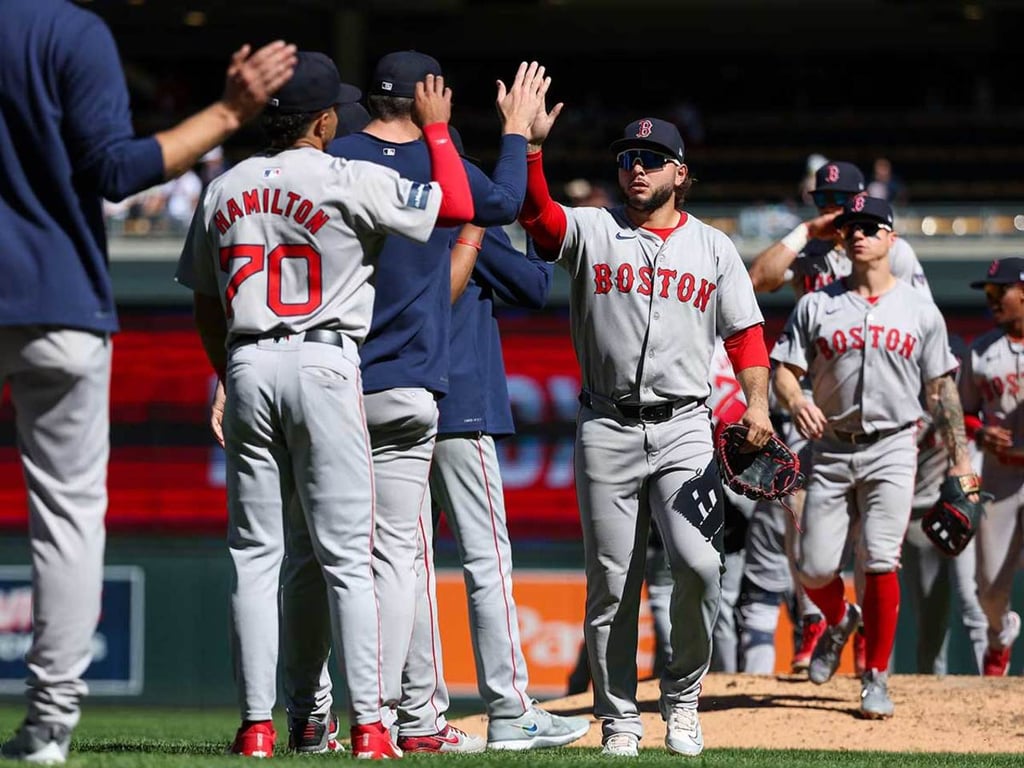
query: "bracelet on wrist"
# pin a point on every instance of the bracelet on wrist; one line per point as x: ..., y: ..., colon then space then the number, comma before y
x: 470, y: 243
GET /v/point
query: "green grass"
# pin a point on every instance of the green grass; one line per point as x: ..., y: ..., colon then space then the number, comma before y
x: 119, y: 737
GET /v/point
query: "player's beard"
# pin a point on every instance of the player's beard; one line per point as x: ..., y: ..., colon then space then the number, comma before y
x: 659, y: 196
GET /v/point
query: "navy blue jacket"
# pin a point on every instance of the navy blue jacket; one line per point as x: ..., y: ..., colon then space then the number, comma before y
x: 66, y: 141
x: 477, y: 399
x: 407, y: 345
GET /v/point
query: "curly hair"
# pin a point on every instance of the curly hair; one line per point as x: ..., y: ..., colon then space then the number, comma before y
x: 284, y: 130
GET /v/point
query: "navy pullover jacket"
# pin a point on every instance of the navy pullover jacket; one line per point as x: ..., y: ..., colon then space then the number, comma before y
x: 477, y: 400
x: 407, y: 345
x: 66, y: 141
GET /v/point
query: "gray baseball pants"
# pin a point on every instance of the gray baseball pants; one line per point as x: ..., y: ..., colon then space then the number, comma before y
x: 465, y: 482
x: 626, y: 473
x: 402, y: 424
x: 60, y: 387
x: 933, y: 577
x: 294, y: 426
x: 872, y: 484
x: 1000, y: 542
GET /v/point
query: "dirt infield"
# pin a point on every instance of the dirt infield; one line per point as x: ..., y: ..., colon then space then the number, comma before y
x: 933, y: 714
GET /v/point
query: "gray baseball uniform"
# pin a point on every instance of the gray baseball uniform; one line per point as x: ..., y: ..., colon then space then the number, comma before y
x: 288, y: 242
x: 991, y: 384
x: 773, y: 537
x: 645, y: 313
x: 866, y: 363
x: 931, y: 575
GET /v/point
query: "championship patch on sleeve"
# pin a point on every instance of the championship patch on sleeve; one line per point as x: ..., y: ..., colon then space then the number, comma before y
x: 418, y: 196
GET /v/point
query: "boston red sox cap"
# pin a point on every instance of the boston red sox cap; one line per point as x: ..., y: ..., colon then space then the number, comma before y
x: 651, y: 133
x: 315, y: 85
x: 397, y: 73
x: 838, y: 177
x: 1002, y: 272
x: 862, y: 208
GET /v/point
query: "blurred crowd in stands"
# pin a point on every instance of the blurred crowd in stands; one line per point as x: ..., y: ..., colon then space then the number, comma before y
x: 165, y: 209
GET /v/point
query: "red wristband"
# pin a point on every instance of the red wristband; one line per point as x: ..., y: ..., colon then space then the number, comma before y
x: 470, y: 243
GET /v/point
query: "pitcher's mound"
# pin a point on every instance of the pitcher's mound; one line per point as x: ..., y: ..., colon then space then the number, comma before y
x: 933, y: 714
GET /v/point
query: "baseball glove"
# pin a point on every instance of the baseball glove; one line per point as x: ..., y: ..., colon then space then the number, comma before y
x: 767, y: 473
x: 952, y: 521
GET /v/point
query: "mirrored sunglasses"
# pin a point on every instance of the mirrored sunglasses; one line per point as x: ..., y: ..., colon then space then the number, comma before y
x: 649, y: 160
x: 825, y: 199
x: 869, y: 228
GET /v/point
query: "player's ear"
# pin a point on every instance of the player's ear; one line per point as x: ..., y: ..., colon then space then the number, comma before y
x: 325, y: 126
x: 681, y: 173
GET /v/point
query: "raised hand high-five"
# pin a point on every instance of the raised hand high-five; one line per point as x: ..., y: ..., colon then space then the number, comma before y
x: 519, y: 104
x: 541, y: 125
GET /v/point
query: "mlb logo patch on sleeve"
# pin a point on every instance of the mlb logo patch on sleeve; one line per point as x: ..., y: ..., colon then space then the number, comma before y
x: 270, y: 173
x: 418, y: 196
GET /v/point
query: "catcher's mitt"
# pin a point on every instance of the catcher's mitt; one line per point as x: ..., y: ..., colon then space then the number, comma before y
x: 767, y: 473
x: 951, y: 523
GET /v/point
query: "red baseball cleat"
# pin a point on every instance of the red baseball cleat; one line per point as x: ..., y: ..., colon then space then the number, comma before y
x: 809, y: 635
x: 373, y: 742
x: 451, y: 739
x: 996, y: 662
x: 254, y: 740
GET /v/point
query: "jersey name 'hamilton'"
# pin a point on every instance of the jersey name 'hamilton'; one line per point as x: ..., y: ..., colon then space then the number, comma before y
x: 866, y: 362
x: 283, y: 262
x: 658, y: 304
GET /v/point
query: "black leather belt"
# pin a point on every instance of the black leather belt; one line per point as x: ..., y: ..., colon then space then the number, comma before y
x: 649, y: 412
x: 318, y: 335
x: 867, y: 438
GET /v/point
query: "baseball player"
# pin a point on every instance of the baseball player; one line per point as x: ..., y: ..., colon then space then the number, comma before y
x: 404, y: 364
x: 67, y: 142
x: 280, y: 256
x: 812, y: 255
x: 867, y: 343
x: 465, y: 483
x: 929, y: 573
x: 810, y: 258
x: 651, y: 289
x: 990, y: 386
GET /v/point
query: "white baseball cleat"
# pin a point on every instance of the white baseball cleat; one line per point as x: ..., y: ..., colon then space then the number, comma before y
x: 682, y: 732
x: 621, y: 745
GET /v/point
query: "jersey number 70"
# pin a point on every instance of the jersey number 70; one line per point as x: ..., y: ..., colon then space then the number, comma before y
x: 256, y: 260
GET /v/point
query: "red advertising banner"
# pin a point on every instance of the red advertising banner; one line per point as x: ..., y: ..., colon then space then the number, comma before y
x: 166, y: 472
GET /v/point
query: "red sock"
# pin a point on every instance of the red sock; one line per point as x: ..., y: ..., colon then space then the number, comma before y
x: 831, y: 599
x: 881, y: 609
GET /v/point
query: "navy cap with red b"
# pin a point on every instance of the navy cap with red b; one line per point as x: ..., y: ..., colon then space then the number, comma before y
x: 861, y: 208
x: 839, y: 177
x: 315, y: 85
x: 654, y: 134
x: 1002, y: 272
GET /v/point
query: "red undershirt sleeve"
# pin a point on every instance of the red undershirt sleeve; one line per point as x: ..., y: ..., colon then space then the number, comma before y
x: 446, y: 169
x: 541, y: 217
x: 972, y: 424
x: 746, y: 348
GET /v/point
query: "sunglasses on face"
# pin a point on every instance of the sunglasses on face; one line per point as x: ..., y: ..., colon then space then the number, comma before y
x: 869, y: 228
x: 649, y: 160
x: 825, y: 199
